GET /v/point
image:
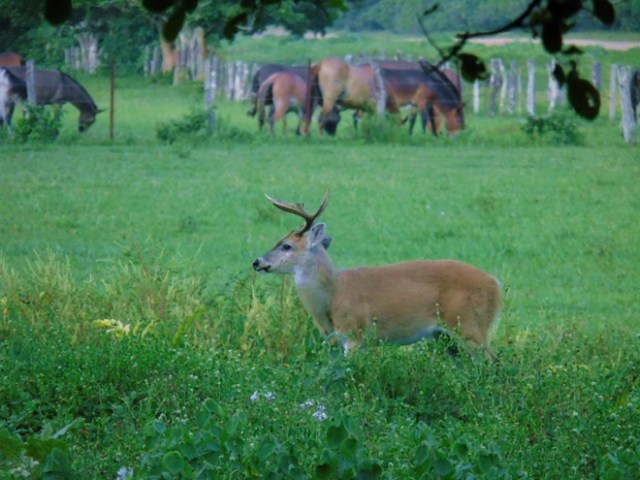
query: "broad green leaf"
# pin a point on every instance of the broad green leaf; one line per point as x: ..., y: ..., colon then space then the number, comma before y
x: 173, y: 462
x: 336, y: 434
x: 10, y: 446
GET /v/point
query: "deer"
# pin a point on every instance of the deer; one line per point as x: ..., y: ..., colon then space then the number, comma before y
x: 404, y: 302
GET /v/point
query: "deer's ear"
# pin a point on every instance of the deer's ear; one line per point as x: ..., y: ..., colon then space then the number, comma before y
x: 316, y: 235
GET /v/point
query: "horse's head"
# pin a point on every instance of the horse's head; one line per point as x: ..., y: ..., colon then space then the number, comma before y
x: 329, y: 122
x: 87, y: 118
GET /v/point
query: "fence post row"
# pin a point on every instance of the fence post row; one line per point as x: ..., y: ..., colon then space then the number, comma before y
x: 505, y: 89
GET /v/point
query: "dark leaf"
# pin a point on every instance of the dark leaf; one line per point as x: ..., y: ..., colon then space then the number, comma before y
x: 189, y: 5
x: 430, y: 10
x: 604, y: 11
x: 232, y: 26
x: 157, y: 6
x: 583, y: 97
x: 325, y: 471
x: 564, y: 8
x: 57, y: 11
x: 472, y: 68
x: 336, y: 435
x: 174, y: 24
x: 552, y: 37
x: 572, y: 50
x: 558, y: 74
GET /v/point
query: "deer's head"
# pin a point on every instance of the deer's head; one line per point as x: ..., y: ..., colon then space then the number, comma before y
x: 300, y: 245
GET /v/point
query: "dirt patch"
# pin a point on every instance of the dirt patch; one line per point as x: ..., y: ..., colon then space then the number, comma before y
x: 579, y: 42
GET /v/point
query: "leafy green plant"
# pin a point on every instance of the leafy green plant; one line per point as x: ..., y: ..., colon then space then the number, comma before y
x: 344, y: 456
x: 43, y: 456
x: 38, y: 124
x: 558, y: 128
x: 213, y: 446
x: 193, y: 126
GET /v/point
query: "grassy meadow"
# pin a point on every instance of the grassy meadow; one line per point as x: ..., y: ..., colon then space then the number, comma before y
x: 136, y: 342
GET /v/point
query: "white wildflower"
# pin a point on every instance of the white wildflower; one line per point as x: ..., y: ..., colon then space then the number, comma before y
x: 124, y: 474
x: 320, y: 414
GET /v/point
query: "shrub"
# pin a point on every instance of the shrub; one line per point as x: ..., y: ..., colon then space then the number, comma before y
x: 38, y: 124
x: 193, y: 126
x: 558, y: 128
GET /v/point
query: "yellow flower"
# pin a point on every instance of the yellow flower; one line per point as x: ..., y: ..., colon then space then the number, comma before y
x: 115, y: 327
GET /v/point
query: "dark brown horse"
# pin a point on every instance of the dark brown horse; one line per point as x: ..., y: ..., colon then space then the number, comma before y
x: 428, y: 90
x: 11, y: 59
x: 285, y: 92
x: 263, y: 73
x: 52, y: 87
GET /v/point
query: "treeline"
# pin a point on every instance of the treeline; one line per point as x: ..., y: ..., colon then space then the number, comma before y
x: 400, y: 16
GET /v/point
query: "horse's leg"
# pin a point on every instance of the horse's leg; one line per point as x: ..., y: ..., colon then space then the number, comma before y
x: 272, y: 116
x: 432, y: 118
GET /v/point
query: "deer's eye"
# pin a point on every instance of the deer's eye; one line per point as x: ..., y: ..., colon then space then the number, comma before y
x: 285, y: 247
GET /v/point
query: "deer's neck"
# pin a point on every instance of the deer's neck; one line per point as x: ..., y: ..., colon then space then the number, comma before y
x: 315, y: 281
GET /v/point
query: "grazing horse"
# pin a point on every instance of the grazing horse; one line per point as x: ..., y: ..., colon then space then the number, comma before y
x: 263, y: 73
x: 428, y: 90
x: 635, y: 92
x: 11, y: 59
x: 334, y: 83
x: 285, y: 92
x: 52, y: 87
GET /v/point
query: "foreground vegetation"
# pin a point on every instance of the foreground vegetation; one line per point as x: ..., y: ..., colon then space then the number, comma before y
x: 135, y: 342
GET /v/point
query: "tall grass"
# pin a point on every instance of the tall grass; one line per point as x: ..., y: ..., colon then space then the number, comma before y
x: 134, y: 336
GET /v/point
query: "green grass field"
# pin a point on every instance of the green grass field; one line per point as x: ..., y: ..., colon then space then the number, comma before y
x: 204, y: 370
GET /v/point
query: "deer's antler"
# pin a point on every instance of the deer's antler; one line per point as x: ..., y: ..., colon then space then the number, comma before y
x: 298, y: 209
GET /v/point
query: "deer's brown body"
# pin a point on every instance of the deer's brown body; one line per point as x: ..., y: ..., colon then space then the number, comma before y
x: 406, y: 302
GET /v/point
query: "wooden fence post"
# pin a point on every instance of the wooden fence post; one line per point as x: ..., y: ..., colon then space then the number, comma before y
x: 476, y: 96
x: 210, y: 88
x: 628, y: 121
x: 531, y: 87
x: 596, y: 74
x: 495, y: 84
x: 513, y: 87
x: 112, y: 100
x: 612, y: 91
x: 381, y: 92
x: 554, y: 94
x: 31, y: 83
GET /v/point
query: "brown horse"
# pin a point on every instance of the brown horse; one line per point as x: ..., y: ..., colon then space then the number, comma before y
x: 263, y: 73
x: 428, y: 90
x: 334, y: 83
x: 52, y: 87
x: 11, y: 59
x: 285, y: 92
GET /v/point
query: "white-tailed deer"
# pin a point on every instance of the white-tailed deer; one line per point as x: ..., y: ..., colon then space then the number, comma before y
x: 405, y: 301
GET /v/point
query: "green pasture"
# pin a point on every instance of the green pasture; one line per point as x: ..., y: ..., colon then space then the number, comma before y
x: 134, y: 336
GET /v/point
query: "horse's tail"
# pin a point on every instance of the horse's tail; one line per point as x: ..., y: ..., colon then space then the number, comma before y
x: 265, y: 93
x: 313, y: 95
